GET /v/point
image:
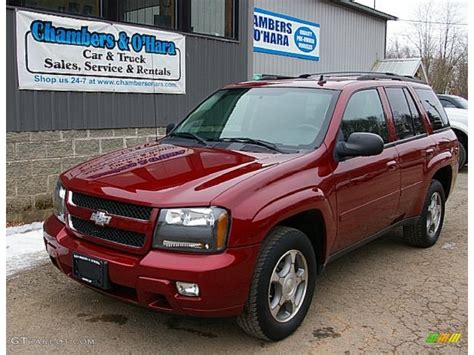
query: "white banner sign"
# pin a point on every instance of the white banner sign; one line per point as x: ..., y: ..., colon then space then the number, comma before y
x: 67, y: 54
x: 285, y: 35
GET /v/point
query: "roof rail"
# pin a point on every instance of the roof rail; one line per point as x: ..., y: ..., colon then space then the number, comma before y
x: 390, y: 76
x: 271, y: 77
x: 362, y: 75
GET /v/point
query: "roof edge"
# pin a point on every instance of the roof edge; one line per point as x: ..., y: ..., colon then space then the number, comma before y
x: 365, y: 9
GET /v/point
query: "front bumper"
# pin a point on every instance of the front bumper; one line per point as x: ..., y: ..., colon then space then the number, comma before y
x: 149, y: 280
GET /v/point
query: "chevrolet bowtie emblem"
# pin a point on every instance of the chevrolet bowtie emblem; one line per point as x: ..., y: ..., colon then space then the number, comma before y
x: 100, y: 218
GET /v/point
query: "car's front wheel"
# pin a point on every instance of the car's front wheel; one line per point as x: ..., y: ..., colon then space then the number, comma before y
x: 282, y: 285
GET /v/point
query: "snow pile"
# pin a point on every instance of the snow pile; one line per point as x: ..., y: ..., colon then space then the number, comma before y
x: 25, y: 247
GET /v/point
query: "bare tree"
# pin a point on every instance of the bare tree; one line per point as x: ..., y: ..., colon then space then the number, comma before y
x: 439, y: 39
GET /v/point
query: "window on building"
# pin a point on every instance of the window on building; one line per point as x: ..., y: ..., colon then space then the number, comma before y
x: 159, y: 13
x: 401, y: 113
x: 77, y: 7
x: 436, y: 113
x: 213, y: 17
x: 415, y: 114
x: 364, y: 113
x: 208, y: 17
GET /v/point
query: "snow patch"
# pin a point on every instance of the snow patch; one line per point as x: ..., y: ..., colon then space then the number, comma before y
x: 25, y: 247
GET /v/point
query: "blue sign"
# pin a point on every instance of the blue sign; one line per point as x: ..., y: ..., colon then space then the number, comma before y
x: 284, y: 35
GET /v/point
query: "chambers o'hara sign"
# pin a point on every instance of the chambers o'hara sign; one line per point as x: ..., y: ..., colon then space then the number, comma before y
x: 67, y: 54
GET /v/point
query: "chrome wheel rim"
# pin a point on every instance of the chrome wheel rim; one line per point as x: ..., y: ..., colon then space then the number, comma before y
x: 433, y: 218
x: 288, y: 285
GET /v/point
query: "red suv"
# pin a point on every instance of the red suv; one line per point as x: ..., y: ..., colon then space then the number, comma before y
x: 241, y: 205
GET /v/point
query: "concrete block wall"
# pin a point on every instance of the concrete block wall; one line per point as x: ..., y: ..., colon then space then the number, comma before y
x: 35, y: 159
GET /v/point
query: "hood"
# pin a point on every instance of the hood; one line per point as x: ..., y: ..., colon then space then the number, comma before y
x: 165, y: 175
x: 458, y: 118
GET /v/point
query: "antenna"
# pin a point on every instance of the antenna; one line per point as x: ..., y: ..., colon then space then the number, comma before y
x: 154, y: 102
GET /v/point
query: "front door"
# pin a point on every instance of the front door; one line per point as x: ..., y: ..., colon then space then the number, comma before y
x: 367, y: 188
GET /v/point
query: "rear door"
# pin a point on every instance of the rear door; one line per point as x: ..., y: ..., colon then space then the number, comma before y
x: 367, y: 188
x: 414, y: 146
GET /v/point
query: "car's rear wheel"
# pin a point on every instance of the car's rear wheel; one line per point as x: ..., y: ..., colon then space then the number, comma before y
x: 425, y: 232
x: 282, y: 285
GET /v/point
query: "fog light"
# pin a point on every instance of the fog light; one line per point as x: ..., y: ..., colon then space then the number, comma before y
x: 187, y: 289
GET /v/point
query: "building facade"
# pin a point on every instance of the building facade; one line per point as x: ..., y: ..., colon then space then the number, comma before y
x: 51, y: 128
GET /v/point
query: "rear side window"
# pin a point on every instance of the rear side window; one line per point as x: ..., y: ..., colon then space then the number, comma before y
x: 364, y: 113
x: 401, y: 113
x: 433, y: 107
x: 415, y: 114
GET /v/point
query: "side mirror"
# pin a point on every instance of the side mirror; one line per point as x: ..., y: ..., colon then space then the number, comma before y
x: 360, y: 144
x: 170, y: 127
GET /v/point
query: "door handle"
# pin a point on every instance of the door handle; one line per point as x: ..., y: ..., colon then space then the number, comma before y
x: 392, y: 165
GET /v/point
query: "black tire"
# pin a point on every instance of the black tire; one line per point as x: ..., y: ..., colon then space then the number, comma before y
x: 256, y: 319
x: 462, y: 155
x: 417, y: 234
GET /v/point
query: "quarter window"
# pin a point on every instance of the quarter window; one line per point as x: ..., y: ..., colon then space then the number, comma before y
x: 364, y: 113
x: 434, y: 109
x: 401, y: 113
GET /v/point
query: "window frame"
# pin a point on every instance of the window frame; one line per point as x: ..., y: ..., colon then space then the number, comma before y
x: 107, y: 14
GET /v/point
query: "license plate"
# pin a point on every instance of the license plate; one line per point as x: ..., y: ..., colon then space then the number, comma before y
x: 90, y: 270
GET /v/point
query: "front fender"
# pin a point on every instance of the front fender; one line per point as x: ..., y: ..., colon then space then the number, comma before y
x: 290, y: 205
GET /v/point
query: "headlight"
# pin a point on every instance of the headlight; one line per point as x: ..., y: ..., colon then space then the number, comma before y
x: 59, y: 201
x: 201, y: 229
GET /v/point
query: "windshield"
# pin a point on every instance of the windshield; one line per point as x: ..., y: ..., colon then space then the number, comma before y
x: 286, y: 117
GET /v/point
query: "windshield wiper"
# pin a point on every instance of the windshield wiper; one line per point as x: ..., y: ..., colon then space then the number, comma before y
x: 188, y: 135
x: 259, y: 142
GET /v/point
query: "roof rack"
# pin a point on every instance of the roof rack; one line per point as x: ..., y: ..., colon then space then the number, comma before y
x: 272, y: 77
x: 363, y: 75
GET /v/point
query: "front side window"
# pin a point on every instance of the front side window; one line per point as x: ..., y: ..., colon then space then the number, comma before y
x: 433, y: 107
x: 364, y: 113
x: 213, y: 17
x: 401, y: 113
x: 287, y: 117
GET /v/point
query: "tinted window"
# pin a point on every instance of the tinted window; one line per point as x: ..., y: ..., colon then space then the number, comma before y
x: 446, y: 103
x: 364, y: 113
x: 401, y: 113
x: 433, y: 107
x: 415, y: 114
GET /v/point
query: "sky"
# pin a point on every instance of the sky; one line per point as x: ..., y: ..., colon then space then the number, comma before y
x: 406, y: 10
